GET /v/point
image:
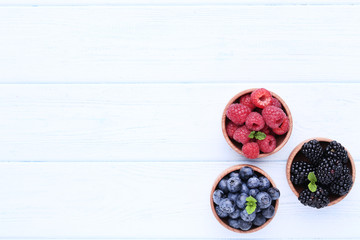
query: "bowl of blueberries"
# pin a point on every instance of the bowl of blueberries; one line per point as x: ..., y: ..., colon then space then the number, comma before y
x: 244, y: 198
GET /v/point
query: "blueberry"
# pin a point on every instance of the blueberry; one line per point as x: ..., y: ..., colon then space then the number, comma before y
x: 226, y: 205
x: 258, y: 209
x: 268, y: 212
x: 222, y: 185
x: 220, y: 213
x: 217, y: 196
x: 244, y: 225
x: 264, y: 183
x: 253, y: 192
x: 233, y: 184
x: 259, y: 220
x: 234, y: 223
x: 247, y: 217
x: 274, y: 193
x: 263, y: 200
x: 235, y: 214
x: 233, y: 196
x: 246, y: 173
x: 253, y: 182
x: 241, y: 200
x: 244, y: 188
x: 235, y: 174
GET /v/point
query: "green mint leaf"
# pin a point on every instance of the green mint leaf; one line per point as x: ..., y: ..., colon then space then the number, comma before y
x: 250, y: 199
x: 312, y: 177
x: 250, y: 209
x: 312, y: 187
x: 252, y: 134
x: 250, y: 204
x: 260, y: 135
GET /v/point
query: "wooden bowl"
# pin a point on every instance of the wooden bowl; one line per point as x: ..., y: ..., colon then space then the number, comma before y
x: 221, y: 176
x: 281, y: 140
x: 296, y: 156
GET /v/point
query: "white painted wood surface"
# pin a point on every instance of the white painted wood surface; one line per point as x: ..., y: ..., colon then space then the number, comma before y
x: 110, y: 111
x: 189, y: 44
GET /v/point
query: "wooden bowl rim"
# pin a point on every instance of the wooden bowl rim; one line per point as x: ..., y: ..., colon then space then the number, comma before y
x: 221, y: 176
x: 295, y: 152
x: 287, y: 111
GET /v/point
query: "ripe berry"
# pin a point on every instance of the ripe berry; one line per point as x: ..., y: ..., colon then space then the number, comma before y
x: 255, y: 121
x: 253, y: 182
x: 283, y: 128
x: 259, y: 220
x: 317, y: 199
x: 244, y: 225
x: 246, y: 173
x: 328, y: 170
x: 268, y: 212
x: 313, y: 151
x: 241, y: 135
x: 220, y: 212
x: 251, y: 150
x: 231, y: 128
x: 247, y: 217
x: 235, y: 214
x: 233, y: 184
x: 341, y: 185
x: 273, y: 116
x: 336, y: 151
x: 253, y: 192
x: 226, y: 205
x: 222, y: 185
x: 246, y: 100
x: 238, y: 113
x: 299, y: 172
x: 263, y: 200
x: 217, y: 196
x: 241, y: 200
x: 274, y: 193
x: 266, y: 130
x: 275, y: 102
x: 261, y: 98
x: 268, y: 144
x: 264, y: 183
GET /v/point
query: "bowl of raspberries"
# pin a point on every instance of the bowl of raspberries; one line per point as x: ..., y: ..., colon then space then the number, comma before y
x: 244, y: 198
x: 256, y: 123
x: 321, y: 172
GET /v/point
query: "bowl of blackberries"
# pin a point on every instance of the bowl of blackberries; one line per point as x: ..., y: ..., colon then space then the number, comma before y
x: 244, y: 198
x: 256, y: 123
x: 321, y: 172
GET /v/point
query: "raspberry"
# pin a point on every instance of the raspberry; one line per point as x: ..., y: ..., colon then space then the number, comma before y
x: 241, y: 135
x: 268, y: 144
x: 251, y: 150
x: 261, y: 98
x: 273, y: 116
x: 275, y: 102
x: 283, y: 128
x: 246, y: 100
x: 266, y: 130
x: 231, y: 128
x: 238, y: 113
x: 255, y: 121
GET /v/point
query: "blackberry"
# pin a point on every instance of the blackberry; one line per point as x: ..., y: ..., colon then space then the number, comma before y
x: 317, y: 199
x: 312, y: 151
x: 328, y: 170
x: 345, y: 170
x: 336, y: 151
x: 341, y: 185
x: 299, y: 172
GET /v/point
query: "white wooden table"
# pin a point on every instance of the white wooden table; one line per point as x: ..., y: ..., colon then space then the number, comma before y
x: 110, y: 111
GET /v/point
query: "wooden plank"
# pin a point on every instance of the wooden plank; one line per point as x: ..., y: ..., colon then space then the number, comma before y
x: 156, y: 122
x: 230, y: 43
x: 173, y: 2
x: 147, y: 200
